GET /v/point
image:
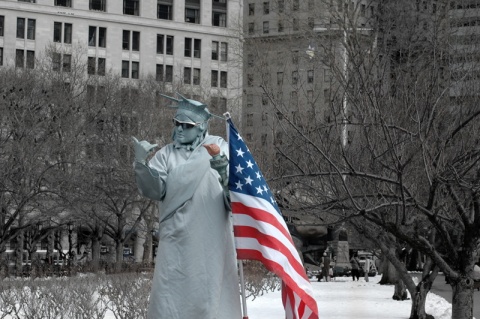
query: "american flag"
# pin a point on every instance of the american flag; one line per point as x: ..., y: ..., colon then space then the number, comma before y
x: 260, y: 230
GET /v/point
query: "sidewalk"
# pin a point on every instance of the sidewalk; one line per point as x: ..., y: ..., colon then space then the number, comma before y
x: 347, y: 299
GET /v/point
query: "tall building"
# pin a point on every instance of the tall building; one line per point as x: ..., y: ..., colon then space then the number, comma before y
x: 292, y: 50
x: 189, y: 45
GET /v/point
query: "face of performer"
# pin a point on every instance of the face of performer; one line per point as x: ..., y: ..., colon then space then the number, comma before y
x: 186, y: 133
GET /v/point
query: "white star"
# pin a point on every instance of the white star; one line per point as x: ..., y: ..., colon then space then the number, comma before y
x: 259, y: 190
x: 272, y: 200
x: 258, y: 175
x: 249, y: 164
x: 248, y: 180
x: 239, y: 185
x: 265, y: 188
x: 240, y: 153
x: 239, y: 169
x: 239, y: 137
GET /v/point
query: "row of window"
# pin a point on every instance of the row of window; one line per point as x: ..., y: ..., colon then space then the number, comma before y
x: 164, y: 9
x: 97, y: 37
x: 327, y: 77
x: 279, y: 6
x: 130, y: 69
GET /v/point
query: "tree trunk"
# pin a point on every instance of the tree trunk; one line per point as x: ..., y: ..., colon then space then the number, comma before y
x: 462, y: 298
x: 389, y: 274
x: 418, y: 301
x: 119, y: 255
x: 95, y: 253
x: 400, y: 292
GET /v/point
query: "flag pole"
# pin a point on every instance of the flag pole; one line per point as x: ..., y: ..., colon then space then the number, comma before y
x: 239, y: 262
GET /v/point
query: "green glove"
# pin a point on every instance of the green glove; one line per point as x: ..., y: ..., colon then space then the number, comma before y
x: 142, y: 149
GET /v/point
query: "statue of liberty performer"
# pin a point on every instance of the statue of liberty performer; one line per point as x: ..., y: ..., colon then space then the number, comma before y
x: 195, y: 269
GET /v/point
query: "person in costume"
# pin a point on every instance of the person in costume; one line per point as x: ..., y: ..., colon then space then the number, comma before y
x: 195, y: 268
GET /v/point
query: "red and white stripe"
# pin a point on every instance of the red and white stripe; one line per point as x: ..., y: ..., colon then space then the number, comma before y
x: 261, y: 234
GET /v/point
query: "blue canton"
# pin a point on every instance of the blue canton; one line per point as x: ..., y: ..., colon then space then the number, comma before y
x: 244, y: 175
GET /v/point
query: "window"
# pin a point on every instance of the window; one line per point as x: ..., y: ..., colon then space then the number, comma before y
x: 214, y: 78
x: 215, y: 45
x: 311, y: 5
x: 223, y: 46
x: 281, y: 6
x: 266, y: 27
x: 135, y: 69
x: 63, y: 3
x: 31, y: 1
x: 223, y: 51
x: 96, y: 66
x: 192, y: 15
x: 98, y: 5
x: 251, y: 9
x: 196, y: 76
x: 20, y: 59
x: 266, y: 7
x: 102, y: 66
x: 131, y: 7
x: 219, y: 19
x: 250, y: 60
x: 223, y: 79
x: 294, y: 77
x: 164, y: 44
x: 219, y: 13
x: 164, y: 73
x: 251, y: 28
x: 169, y: 46
x: 311, y: 22
x: 20, y: 28
x: 30, y: 29
x: 160, y: 43
x: 97, y: 32
x: 66, y: 29
x: 295, y: 5
x: 66, y: 62
x: 164, y: 9
x: 91, y: 66
x: 196, y: 43
x: 135, y: 41
x: 295, y: 24
x: 131, y: 40
x: 2, y: 25
x: 280, y: 25
x: 1, y: 56
x: 310, y: 76
x: 63, y: 62
x: 250, y: 80
x: 169, y: 73
x: 279, y: 78
x: 125, y: 69
x: 264, y: 99
x: 192, y: 11
x: 159, y: 72
x: 187, y: 75
x: 56, y: 60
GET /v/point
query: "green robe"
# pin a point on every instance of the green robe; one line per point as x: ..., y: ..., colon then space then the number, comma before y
x: 195, y: 271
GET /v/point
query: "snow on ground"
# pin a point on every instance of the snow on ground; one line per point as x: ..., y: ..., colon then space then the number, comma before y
x: 347, y: 299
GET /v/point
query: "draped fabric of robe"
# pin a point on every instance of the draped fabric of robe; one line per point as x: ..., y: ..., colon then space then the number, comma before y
x: 195, y: 268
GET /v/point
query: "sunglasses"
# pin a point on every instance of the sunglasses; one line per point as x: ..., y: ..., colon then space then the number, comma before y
x: 184, y: 125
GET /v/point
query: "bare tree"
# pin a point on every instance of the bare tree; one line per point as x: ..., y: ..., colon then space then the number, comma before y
x: 392, y: 139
